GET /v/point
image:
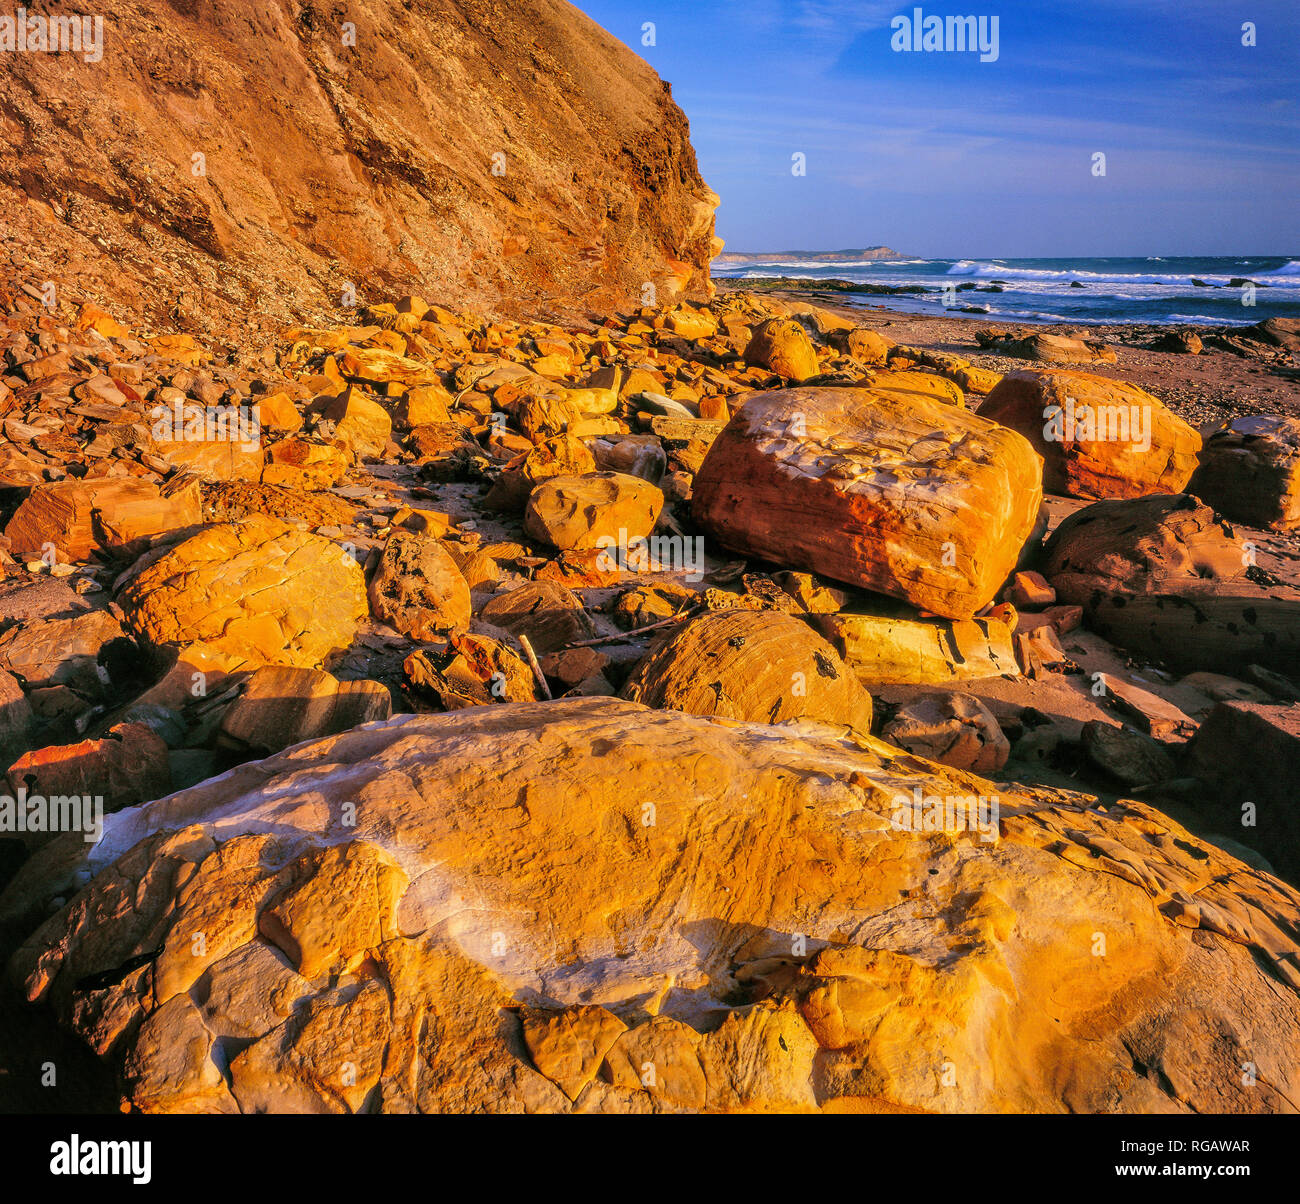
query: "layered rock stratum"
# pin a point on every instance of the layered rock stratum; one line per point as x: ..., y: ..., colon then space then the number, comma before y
x: 259, y: 156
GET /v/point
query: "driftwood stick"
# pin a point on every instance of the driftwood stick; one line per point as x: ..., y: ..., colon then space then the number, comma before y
x: 537, y: 669
x: 631, y: 635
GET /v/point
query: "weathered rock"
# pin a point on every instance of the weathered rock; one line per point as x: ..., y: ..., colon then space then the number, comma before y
x: 603, y: 509
x: 110, y: 513
x: 281, y: 706
x: 213, y: 459
x: 301, y: 464
x: 544, y: 611
x: 15, y: 718
x: 782, y: 346
x: 1047, y: 348
x: 418, y: 588
x: 889, y: 651
x: 954, y: 729
x: 1099, y: 438
x: 562, y: 456
x: 1250, y: 472
x: 475, y: 670
x: 1133, y: 758
x: 258, y: 590
x: 866, y: 346
x: 759, y: 666
x: 1029, y: 591
x: 916, y: 499
x: 925, y: 949
x: 906, y: 385
x: 1162, y: 576
x: 125, y: 768
x: 1248, y: 754
x: 1156, y: 716
x: 60, y: 651
x: 361, y: 425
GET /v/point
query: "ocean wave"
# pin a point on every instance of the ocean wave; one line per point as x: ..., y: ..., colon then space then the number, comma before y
x: 1285, y: 277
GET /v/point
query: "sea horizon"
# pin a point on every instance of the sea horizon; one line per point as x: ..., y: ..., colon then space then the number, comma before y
x: 1091, y: 290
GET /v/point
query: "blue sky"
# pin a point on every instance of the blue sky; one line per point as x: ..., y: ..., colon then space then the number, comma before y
x: 940, y: 155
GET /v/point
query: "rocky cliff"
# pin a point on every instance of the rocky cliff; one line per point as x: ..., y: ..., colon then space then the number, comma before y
x: 230, y: 157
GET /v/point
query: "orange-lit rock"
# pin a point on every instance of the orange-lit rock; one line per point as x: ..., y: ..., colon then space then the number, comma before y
x: 1099, y: 438
x: 909, y: 497
x: 258, y: 590
x: 753, y: 905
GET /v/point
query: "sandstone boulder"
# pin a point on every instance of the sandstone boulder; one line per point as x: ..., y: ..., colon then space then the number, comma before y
x: 1250, y: 472
x: 418, y: 588
x: 913, y: 498
x: 473, y: 670
x: 1047, y: 348
x: 258, y: 590
x: 547, y: 613
x: 126, y: 767
x: 62, y: 651
x: 602, y: 509
x: 1099, y: 438
x: 782, y: 346
x: 772, y: 891
x: 1162, y: 575
x: 889, y: 651
x: 361, y: 425
x: 281, y: 706
x: 109, y: 513
x: 562, y: 456
x: 954, y: 729
x: 759, y: 666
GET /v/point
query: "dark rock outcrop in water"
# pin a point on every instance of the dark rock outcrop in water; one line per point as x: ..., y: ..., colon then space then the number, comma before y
x: 324, y: 163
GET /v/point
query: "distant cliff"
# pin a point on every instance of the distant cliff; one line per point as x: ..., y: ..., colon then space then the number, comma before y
x: 228, y: 157
x: 858, y: 256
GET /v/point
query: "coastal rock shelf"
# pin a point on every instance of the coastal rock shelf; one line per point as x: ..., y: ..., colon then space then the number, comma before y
x: 487, y: 937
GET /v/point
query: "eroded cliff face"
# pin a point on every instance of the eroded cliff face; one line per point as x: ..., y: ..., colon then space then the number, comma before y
x: 231, y: 157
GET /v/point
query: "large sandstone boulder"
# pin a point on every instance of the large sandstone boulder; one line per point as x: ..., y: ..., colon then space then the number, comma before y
x: 1163, y: 575
x: 1099, y: 438
x: 1046, y: 348
x: 908, y: 497
x: 258, y: 590
x: 515, y: 908
x: 112, y: 513
x: 888, y: 651
x: 760, y: 666
x: 1250, y: 472
x: 280, y: 706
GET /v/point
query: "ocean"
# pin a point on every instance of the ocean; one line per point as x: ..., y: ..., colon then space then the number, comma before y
x: 1156, y: 289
